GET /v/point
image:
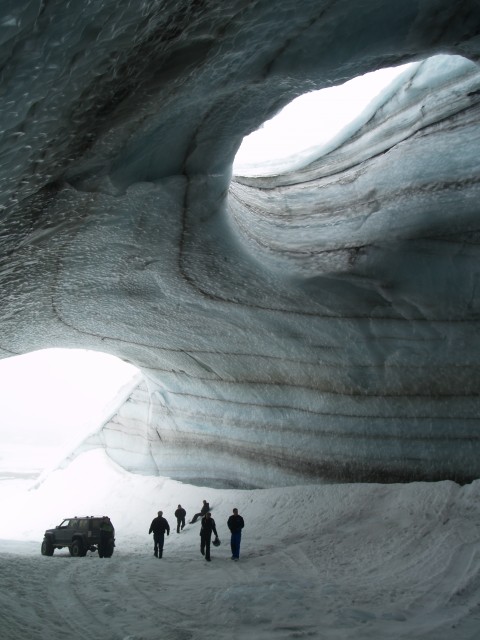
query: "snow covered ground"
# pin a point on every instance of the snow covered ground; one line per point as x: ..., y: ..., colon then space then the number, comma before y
x: 331, y: 562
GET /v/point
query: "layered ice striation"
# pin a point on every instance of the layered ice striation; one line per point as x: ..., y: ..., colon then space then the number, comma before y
x: 319, y: 324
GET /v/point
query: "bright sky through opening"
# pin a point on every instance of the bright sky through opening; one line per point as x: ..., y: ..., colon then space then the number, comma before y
x: 50, y: 399
x: 310, y: 121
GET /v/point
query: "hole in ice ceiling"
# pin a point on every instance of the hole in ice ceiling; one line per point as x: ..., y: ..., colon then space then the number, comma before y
x: 311, y: 121
x: 50, y: 399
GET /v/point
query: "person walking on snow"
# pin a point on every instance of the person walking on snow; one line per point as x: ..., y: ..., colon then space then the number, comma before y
x: 107, y: 538
x: 159, y: 526
x: 180, y: 514
x: 208, y: 526
x: 235, y: 523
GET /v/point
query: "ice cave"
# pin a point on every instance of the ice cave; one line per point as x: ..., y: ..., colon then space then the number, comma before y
x: 317, y: 324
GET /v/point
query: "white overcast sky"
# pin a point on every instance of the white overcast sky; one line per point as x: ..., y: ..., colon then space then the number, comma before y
x: 51, y: 397
x: 312, y: 119
x: 52, y: 386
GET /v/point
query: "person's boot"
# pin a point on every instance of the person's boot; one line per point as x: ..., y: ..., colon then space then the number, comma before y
x: 155, y: 553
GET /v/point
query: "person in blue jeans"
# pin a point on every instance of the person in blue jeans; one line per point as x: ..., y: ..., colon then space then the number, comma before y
x: 235, y: 523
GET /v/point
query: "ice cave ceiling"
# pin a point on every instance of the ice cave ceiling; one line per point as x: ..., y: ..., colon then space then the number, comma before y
x: 316, y: 325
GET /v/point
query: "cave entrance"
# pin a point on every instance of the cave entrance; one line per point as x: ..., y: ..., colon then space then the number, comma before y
x: 49, y: 400
x: 311, y: 121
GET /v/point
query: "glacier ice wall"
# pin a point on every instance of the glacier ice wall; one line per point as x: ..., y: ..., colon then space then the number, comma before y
x: 320, y: 324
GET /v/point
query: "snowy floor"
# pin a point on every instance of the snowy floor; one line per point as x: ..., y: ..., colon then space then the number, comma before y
x: 330, y: 562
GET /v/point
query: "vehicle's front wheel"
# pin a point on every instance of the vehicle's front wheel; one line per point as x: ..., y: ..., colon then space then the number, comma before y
x: 77, y: 549
x: 47, y: 547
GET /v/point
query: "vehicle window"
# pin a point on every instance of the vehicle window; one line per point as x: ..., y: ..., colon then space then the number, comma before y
x: 64, y: 523
x: 73, y: 524
x: 83, y: 523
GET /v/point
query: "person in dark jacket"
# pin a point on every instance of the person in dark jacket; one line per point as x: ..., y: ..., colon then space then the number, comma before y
x: 180, y: 514
x: 235, y: 523
x: 206, y: 530
x: 205, y: 509
x: 107, y: 538
x: 159, y: 526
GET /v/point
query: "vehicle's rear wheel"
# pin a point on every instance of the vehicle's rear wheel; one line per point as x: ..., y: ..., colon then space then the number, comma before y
x: 108, y: 550
x: 47, y: 547
x: 77, y: 549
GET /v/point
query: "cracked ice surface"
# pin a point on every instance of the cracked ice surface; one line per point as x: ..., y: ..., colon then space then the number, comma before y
x: 319, y: 324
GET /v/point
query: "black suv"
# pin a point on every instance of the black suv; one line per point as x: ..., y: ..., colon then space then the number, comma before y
x: 89, y: 533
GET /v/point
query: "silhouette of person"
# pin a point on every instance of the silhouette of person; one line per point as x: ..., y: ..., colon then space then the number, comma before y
x: 206, y: 530
x: 203, y: 511
x: 107, y: 538
x: 159, y: 526
x: 235, y: 523
x: 180, y: 514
